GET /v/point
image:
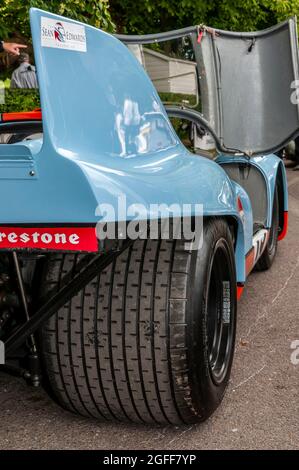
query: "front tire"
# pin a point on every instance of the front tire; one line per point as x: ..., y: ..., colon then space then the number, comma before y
x: 151, y: 339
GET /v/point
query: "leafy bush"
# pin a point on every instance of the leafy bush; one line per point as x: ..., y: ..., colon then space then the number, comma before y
x: 15, y: 14
x: 20, y: 100
x: 178, y: 98
x: 150, y: 16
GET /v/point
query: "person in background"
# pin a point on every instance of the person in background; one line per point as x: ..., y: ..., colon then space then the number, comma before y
x: 11, y: 47
x: 25, y: 75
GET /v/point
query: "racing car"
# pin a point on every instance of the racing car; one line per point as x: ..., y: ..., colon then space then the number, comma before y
x: 141, y: 329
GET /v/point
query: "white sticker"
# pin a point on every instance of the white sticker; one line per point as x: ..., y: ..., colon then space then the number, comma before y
x: 226, y: 302
x: 62, y: 35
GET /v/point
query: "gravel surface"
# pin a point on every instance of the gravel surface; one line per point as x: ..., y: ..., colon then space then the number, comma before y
x: 261, y: 407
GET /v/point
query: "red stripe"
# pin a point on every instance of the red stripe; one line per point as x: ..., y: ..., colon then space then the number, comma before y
x: 240, y: 290
x: 284, y: 231
x: 24, y: 116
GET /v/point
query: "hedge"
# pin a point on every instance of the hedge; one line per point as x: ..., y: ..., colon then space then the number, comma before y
x: 27, y: 100
x: 20, y: 100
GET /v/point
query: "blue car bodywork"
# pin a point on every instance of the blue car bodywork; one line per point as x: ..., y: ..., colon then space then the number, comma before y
x: 106, y: 133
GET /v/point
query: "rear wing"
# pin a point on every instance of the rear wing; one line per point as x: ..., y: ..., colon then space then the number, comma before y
x: 96, y: 99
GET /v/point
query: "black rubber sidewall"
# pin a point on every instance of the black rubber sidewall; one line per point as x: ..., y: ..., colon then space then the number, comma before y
x: 206, y: 394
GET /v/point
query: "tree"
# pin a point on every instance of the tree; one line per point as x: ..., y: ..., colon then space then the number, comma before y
x: 158, y: 15
x: 133, y: 16
x: 149, y: 16
x: 15, y: 14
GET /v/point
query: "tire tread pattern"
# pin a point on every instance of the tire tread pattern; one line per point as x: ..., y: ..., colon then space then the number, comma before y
x: 118, y: 350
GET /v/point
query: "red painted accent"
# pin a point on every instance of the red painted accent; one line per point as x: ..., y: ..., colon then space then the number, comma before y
x: 35, y: 115
x: 49, y: 238
x: 240, y: 205
x: 199, y: 37
x: 240, y: 290
x: 240, y: 208
x: 249, y: 262
x: 284, y: 231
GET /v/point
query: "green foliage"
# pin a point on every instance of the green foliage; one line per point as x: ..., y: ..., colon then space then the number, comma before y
x: 146, y: 16
x: 283, y: 9
x: 20, y: 100
x: 178, y: 98
x: 157, y: 15
x: 163, y: 15
x: 14, y: 14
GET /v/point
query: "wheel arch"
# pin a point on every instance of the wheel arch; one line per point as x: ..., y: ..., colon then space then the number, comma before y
x: 274, y: 173
x: 238, y: 233
x: 281, y: 183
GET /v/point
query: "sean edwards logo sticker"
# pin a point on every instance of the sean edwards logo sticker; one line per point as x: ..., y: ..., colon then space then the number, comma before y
x: 62, y: 35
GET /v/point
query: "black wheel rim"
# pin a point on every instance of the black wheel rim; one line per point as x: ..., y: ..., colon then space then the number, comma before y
x: 220, y: 313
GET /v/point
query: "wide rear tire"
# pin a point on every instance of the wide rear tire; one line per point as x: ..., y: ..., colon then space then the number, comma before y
x: 151, y: 339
